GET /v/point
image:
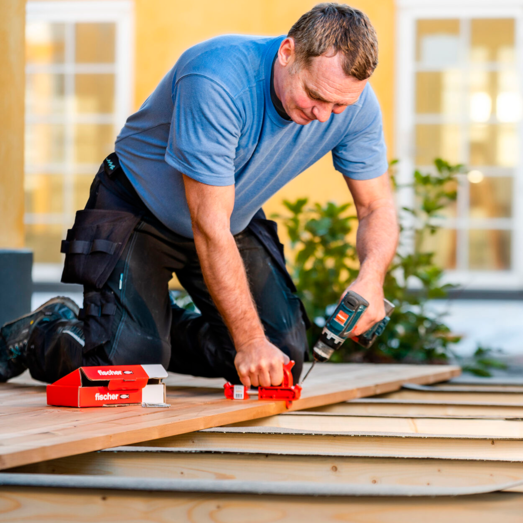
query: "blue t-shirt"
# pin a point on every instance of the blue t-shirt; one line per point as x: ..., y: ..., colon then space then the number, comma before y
x: 212, y: 119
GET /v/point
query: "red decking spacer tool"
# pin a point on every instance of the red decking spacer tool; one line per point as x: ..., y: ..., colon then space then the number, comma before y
x: 286, y: 391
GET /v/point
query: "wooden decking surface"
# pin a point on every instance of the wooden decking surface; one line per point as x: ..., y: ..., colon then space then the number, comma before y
x: 31, y: 431
x: 391, y: 446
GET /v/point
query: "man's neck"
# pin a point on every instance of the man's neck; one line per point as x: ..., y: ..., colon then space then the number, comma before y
x: 276, y: 89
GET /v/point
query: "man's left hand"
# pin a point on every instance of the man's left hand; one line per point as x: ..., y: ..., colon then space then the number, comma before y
x: 372, y: 291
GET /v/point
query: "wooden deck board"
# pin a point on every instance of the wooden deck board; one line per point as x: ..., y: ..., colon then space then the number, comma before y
x: 25, y: 505
x: 31, y: 431
x: 149, y: 463
x: 461, y: 398
x: 407, y: 409
x: 448, y: 427
x: 385, y: 445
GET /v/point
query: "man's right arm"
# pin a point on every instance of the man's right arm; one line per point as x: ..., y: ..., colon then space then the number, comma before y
x: 257, y: 361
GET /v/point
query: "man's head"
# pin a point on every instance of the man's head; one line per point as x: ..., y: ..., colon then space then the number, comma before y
x: 325, y: 61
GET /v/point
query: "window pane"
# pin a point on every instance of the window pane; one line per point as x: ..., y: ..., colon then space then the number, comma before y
x: 443, y: 245
x: 82, y: 184
x: 93, y: 142
x: 495, y: 94
x: 491, y: 198
x: 94, y: 93
x: 44, y: 241
x: 437, y: 42
x: 95, y: 43
x: 45, y: 94
x: 439, y: 93
x: 437, y: 141
x: 44, y: 43
x: 489, y: 250
x: 494, y: 145
x: 44, y: 143
x: 492, y: 40
x: 44, y: 193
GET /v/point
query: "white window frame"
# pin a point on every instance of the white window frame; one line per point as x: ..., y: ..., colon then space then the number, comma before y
x: 408, y: 12
x: 121, y: 13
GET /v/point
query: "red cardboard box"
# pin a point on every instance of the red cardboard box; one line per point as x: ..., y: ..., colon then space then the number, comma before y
x: 109, y: 386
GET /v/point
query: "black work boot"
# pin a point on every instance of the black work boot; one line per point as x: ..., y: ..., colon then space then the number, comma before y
x: 15, y: 334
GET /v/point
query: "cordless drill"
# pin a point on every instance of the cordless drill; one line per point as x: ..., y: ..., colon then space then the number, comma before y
x: 341, y: 324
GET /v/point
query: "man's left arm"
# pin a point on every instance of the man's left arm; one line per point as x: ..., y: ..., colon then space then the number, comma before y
x: 376, y: 242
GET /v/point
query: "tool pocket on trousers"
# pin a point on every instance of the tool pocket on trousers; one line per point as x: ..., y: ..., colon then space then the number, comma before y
x: 97, y: 314
x: 94, y: 245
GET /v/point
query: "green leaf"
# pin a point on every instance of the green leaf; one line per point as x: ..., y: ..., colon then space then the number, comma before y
x: 477, y: 371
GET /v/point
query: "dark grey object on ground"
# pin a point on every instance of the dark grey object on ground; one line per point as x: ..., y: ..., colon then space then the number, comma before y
x: 16, y: 284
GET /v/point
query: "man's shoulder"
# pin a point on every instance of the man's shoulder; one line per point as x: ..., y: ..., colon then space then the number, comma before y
x: 233, y: 61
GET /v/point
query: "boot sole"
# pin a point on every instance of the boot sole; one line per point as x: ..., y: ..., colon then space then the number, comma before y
x: 58, y: 299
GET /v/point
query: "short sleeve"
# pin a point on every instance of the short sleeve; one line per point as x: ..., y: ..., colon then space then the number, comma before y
x: 362, y: 153
x: 205, y: 130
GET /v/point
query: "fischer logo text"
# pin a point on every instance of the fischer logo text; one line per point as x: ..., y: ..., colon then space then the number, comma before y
x: 103, y: 397
x: 110, y: 372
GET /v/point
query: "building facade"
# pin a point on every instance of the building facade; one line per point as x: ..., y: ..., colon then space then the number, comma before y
x: 449, y: 84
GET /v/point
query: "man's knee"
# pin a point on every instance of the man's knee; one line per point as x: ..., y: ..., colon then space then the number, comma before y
x: 134, y: 347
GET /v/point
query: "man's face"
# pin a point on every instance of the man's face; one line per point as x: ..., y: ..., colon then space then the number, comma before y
x: 316, y: 91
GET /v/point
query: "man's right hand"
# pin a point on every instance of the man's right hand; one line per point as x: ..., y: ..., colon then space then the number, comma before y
x: 260, y: 363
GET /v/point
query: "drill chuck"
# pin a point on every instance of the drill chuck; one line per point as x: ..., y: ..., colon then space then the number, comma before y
x: 322, y: 352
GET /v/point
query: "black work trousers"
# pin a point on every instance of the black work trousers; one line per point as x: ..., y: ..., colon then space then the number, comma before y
x: 125, y: 258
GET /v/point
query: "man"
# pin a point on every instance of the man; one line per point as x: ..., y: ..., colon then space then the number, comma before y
x: 233, y: 121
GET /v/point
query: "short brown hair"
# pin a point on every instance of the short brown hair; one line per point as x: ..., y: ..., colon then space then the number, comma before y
x: 339, y: 28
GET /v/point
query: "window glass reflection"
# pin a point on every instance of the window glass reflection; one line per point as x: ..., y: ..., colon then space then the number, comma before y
x: 437, y: 141
x: 437, y: 43
x: 95, y: 43
x: 494, y: 145
x: 44, y: 43
x: 44, y: 144
x: 489, y: 250
x: 492, y: 40
x: 494, y: 94
x: 45, y: 94
x: 491, y: 197
x: 44, y: 193
x: 44, y: 240
x: 439, y: 92
x: 443, y: 245
x: 94, y: 93
x: 82, y: 184
x: 93, y: 142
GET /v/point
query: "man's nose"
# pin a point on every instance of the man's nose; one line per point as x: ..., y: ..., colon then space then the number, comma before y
x: 322, y: 114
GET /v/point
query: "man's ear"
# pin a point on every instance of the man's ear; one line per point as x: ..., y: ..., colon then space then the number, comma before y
x: 286, y: 52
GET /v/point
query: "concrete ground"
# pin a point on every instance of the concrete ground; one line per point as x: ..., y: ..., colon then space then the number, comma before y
x: 490, y: 323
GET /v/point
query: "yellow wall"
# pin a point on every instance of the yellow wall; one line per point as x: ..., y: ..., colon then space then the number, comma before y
x: 12, y: 31
x: 165, y: 28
